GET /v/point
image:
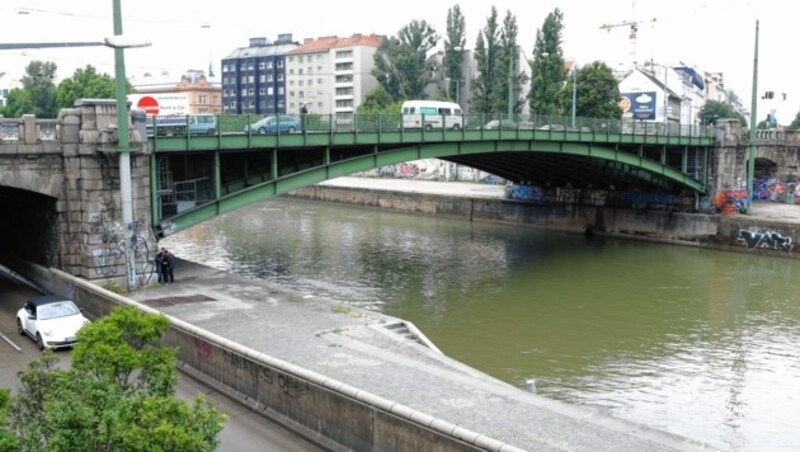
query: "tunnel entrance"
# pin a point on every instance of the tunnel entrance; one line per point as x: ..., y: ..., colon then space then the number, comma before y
x: 29, y: 229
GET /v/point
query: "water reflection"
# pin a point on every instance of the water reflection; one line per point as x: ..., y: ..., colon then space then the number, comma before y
x: 695, y: 342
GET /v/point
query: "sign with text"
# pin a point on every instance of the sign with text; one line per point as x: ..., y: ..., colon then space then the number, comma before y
x: 641, y: 105
x: 162, y: 104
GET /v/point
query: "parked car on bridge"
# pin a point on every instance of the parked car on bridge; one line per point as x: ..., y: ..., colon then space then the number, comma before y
x: 52, y: 321
x: 273, y: 124
x: 500, y: 124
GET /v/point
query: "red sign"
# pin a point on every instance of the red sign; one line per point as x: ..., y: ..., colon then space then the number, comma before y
x: 148, y: 104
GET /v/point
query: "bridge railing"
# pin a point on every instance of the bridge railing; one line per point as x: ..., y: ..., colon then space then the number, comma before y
x: 14, y: 129
x: 253, y: 124
x: 791, y: 137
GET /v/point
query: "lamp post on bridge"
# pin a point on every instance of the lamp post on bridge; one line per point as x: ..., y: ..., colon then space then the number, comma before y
x: 118, y: 43
x: 574, y: 90
x: 751, y: 154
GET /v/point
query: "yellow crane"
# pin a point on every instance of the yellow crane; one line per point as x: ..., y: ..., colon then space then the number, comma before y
x: 633, y: 26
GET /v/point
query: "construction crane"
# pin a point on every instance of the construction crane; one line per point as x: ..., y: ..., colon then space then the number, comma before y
x: 633, y: 26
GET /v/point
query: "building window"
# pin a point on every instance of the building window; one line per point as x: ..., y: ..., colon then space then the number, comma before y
x: 251, y: 91
x: 262, y: 91
x: 252, y: 103
x: 224, y: 68
x: 310, y: 81
x: 269, y: 64
x: 319, y: 81
x: 344, y: 78
x: 244, y: 79
x: 299, y: 71
x: 319, y: 104
x: 280, y: 64
x: 269, y: 78
x: 280, y: 77
x: 291, y: 71
x: 291, y: 58
x: 262, y: 78
x: 299, y: 83
x: 291, y: 82
x: 251, y: 79
x: 202, y: 99
x: 310, y: 70
x: 344, y: 54
x: 300, y: 94
x: 344, y: 66
x: 261, y: 65
x: 319, y: 68
x: 270, y: 91
x: 291, y: 105
x: 291, y: 93
x: 250, y: 66
x: 344, y: 91
x: 280, y: 91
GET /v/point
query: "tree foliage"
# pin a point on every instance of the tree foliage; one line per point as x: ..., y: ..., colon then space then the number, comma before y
x: 454, y: 46
x: 487, y: 56
x: 714, y: 110
x: 795, y: 125
x: 85, y: 83
x: 37, y: 95
x: 379, y: 101
x: 508, y: 70
x: 547, y: 71
x: 597, y: 95
x: 401, y: 62
x: 118, y: 395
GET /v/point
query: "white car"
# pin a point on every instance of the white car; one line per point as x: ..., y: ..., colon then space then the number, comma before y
x: 51, y: 320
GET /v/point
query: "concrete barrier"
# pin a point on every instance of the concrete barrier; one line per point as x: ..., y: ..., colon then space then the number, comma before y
x: 334, y: 415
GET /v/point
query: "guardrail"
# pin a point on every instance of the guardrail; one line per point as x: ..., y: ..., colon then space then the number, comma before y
x: 253, y: 124
x: 778, y: 137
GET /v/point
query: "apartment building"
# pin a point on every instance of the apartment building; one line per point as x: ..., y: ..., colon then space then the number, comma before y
x: 254, y: 77
x: 331, y: 75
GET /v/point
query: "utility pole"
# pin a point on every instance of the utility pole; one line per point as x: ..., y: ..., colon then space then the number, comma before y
x: 751, y: 154
x: 511, y: 82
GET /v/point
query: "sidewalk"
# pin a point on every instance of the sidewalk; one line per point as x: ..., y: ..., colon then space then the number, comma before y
x: 357, y: 348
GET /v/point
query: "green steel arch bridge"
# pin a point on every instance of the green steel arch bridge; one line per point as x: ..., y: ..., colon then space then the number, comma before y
x: 201, y: 171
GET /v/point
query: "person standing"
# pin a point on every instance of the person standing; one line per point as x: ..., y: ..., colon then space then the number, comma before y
x: 169, y: 267
x: 160, y: 265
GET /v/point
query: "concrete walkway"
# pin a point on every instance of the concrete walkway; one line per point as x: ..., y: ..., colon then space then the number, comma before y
x: 357, y: 348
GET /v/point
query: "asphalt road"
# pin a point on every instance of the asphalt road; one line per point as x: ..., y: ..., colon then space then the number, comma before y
x: 245, y: 431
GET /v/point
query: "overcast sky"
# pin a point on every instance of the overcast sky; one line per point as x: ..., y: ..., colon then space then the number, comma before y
x: 713, y: 35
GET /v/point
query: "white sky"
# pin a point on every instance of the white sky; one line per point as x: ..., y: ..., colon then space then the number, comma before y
x: 713, y: 35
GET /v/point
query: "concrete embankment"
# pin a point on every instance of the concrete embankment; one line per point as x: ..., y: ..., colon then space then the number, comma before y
x: 770, y: 229
x: 343, y: 378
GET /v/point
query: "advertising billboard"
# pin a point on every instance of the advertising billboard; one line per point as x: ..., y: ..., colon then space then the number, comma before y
x: 641, y: 105
x: 161, y: 104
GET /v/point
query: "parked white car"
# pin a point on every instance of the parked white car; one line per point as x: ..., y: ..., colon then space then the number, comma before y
x: 51, y: 320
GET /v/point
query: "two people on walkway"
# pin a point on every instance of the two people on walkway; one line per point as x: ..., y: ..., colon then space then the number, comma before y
x: 165, y: 266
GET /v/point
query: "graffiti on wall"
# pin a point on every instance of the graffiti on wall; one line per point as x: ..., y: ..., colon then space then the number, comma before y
x: 729, y: 202
x: 290, y: 386
x: 121, y: 245
x: 764, y: 239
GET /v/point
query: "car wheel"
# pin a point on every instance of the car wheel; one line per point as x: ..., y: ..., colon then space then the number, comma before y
x: 262, y: 130
x: 20, y: 330
x: 428, y: 126
x: 456, y: 126
x: 210, y: 132
x: 291, y: 129
x: 39, y: 342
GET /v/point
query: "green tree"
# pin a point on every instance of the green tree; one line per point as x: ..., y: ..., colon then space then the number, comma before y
x: 547, y: 71
x: 487, y: 50
x: 507, y: 71
x: 597, y: 93
x: 714, y: 110
x: 379, y: 101
x: 39, y: 92
x: 401, y: 63
x: 8, y: 441
x: 118, y: 395
x: 454, y: 46
x: 85, y: 83
x: 795, y: 125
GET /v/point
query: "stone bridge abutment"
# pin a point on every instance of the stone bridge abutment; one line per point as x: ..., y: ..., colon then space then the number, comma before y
x: 60, y: 196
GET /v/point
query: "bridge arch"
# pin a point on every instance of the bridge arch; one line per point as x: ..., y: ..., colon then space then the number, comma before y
x: 535, y: 161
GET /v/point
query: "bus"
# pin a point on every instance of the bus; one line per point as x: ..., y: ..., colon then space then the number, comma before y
x: 432, y: 114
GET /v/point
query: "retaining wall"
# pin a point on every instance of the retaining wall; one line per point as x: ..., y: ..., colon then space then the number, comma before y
x: 733, y: 233
x: 330, y: 413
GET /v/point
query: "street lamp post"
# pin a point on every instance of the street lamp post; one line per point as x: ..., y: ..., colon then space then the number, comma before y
x: 751, y: 154
x: 458, y: 90
x: 574, y: 90
x: 118, y: 43
x: 511, y: 82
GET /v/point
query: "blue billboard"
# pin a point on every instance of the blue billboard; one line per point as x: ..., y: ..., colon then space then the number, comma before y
x: 641, y: 105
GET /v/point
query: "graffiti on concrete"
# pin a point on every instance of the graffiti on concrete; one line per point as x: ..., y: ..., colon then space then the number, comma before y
x: 729, y: 202
x: 642, y: 200
x: 292, y: 387
x: 524, y: 192
x: 764, y: 239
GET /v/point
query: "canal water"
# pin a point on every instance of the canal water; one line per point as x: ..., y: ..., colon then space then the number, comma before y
x: 696, y: 342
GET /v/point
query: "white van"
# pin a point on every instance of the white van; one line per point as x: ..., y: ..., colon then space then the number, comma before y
x: 432, y: 114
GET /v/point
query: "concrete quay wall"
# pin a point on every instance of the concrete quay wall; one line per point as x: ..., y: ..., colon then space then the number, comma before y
x: 327, y: 412
x: 732, y: 233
